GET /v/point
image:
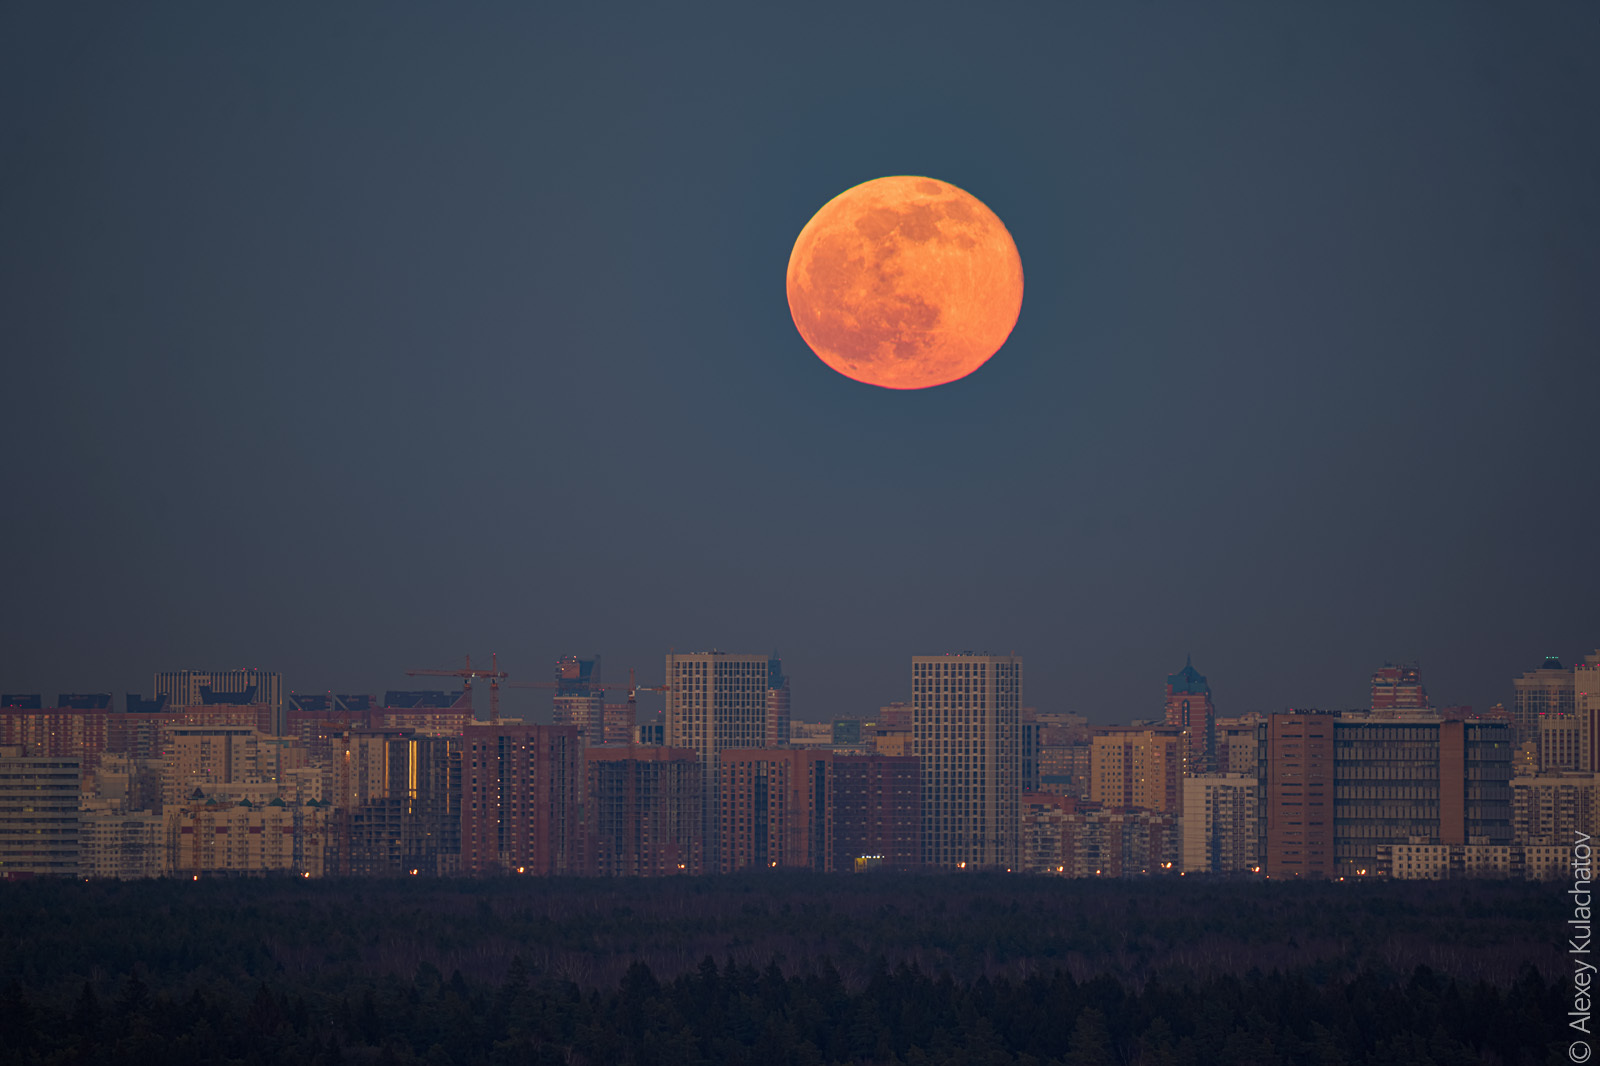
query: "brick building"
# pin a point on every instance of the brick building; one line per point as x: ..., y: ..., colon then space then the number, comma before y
x: 642, y: 812
x: 1138, y: 767
x: 522, y: 787
x: 1298, y: 800
x: 877, y: 810
x: 1190, y: 710
x: 777, y: 807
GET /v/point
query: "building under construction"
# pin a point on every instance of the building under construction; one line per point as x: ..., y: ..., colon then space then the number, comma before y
x: 642, y: 812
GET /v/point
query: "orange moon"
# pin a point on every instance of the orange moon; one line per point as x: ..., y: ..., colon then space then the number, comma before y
x: 905, y: 283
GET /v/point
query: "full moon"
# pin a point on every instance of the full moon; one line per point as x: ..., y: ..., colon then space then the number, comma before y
x: 905, y: 283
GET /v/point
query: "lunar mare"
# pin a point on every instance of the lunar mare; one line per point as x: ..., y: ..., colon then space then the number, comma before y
x: 905, y: 283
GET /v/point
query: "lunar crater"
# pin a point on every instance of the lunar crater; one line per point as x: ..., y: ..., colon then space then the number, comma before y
x: 894, y: 289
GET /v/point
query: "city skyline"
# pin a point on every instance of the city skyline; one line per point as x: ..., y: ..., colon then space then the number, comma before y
x: 517, y: 701
x: 1092, y: 506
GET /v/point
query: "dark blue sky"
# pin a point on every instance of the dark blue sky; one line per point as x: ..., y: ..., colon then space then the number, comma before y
x: 341, y: 339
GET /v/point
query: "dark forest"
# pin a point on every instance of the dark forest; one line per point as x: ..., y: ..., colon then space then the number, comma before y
x: 782, y: 969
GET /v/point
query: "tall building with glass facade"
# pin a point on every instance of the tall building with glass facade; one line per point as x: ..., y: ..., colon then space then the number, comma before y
x: 1547, y: 692
x: 966, y: 727
x: 1418, y: 782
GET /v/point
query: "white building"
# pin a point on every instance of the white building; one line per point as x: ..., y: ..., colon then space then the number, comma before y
x: 1220, y: 818
x: 716, y: 700
x: 124, y: 845
x: 38, y: 815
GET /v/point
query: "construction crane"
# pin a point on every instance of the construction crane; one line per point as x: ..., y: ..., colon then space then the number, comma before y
x: 494, y: 674
x: 632, y: 688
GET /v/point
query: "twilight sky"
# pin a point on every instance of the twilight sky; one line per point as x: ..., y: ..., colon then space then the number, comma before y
x: 341, y: 339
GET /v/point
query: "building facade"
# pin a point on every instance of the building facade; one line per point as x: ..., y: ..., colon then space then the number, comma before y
x: 1076, y: 838
x: 75, y: 728
x: 715, y: 701
x: 877, y: 810
x: 1139, y: 767
x: 199, y: 688
x: 1586, y: 708
x: 966, y: 730
x: 38, y: 815
x: 244, y: 838
x: 1398, y: 688
x: 1189, y: 709
x: 777, y: 808
x: 778, y: 704
x: 522, y: 787
x: 642, y: 812
x: 1418, y: 781
x: 1552, y: 809
x: 1297, y: 753
x: 397, y: 805
x: 579, y: 698
x: 1547, y: 692
x: 1221, y: 813
x: 121, y: 845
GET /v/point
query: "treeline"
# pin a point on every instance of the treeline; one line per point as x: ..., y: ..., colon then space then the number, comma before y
x: 732, y: 1014
x: 328, y: 933
x: 812, y: 969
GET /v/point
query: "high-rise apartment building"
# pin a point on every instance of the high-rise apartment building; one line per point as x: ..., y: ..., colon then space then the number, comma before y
x: 777, y: 808
x: 1221, y: 813
x: 1297, y: 751
x: 140, y: 732
x: 1551, y: 809
x: 197, y: 688
x: 1560, y: 744
x: 877, y: 810
x: 1586, y: 708
x: 716, y: 700
x: 319, y: 720
x: 966, y: 730
x: 75, y: 728
x: 1547, y: 692
x: 1032, y: 739
x: 1398, y: 688
x: 203, y: 756
x: 38, y: 815
x: 522, y: 786
x: 1075, y: 838
x: 895, y: 717
x: 619, y: 723
x: 245, y: 838
x: 1138, y: 767
x: 426, y: 712
x: 1236, y: 744
x: 579, y: 698
x: 642, y: 812
x: 1189, y: 708
x: 778, y: 709
x: 397, y: 805
x: 122, y: 845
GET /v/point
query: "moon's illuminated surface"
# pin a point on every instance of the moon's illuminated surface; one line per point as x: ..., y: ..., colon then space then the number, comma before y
x: 905, y: 282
